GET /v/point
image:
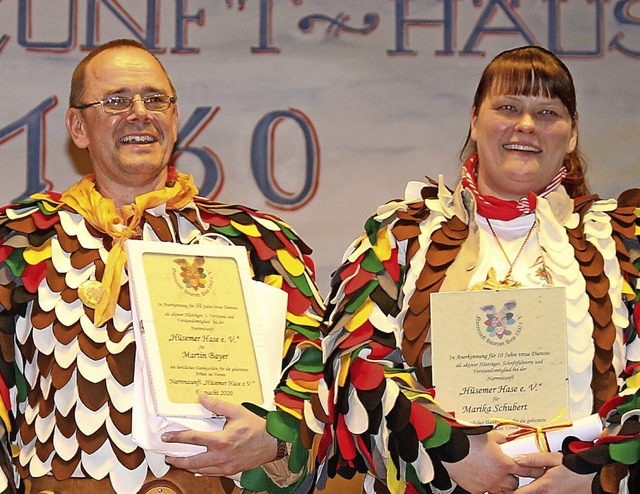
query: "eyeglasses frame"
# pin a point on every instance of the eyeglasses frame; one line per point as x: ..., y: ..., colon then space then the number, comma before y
x: 172, y: 100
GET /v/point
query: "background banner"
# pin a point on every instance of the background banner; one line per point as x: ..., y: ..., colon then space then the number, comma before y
x: 316, y: 110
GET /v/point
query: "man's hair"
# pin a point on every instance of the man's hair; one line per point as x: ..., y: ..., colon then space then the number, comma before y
x: 79, y: 74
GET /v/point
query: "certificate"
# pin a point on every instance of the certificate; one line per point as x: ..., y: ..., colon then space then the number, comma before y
x: 194, y: 309
x: 501, y: 354
x: 586, y: 429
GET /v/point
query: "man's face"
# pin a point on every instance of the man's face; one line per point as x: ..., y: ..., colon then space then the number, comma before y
x: 133, y: 148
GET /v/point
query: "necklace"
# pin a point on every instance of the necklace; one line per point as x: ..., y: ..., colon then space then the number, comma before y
x: 507, y: 279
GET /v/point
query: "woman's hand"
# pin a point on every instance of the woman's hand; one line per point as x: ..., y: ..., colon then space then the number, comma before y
x: 486, y: 468
x: 554, y: 477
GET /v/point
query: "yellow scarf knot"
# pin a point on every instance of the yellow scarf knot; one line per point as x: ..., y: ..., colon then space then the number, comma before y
x: 121, y: 225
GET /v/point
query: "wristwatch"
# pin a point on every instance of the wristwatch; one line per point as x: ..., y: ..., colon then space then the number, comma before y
x: 282, y: 450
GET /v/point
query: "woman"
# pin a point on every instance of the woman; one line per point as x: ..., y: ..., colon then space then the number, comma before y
x: 520, y: 217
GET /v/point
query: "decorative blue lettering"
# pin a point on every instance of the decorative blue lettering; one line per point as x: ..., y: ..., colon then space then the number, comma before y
x: 622, y: 13
x: 147, y: 35
x: 481, y: 28
x: 263, y: 166
x: 182, y: 19
x: 213, y: 172
x: 24, y: 31
x: 554, y: 30
x: 402, y: 34
x: 33, y: 123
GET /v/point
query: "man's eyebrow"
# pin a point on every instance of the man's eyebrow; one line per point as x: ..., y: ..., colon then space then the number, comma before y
x: 129, y: 90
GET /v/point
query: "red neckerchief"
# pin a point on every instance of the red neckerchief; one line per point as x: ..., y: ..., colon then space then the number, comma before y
x: 500, y: 209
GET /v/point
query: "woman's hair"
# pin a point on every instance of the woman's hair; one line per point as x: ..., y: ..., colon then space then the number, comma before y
x: 533, y: 71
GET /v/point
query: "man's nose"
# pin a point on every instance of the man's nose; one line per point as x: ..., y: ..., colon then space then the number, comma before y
x: 138, y: 107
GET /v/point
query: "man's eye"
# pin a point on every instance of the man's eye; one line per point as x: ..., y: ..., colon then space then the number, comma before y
x: 117, y: 101
x: 153, y: 99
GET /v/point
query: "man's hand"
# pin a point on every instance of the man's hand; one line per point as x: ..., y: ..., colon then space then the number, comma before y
x: 555, y: 477
x: 243, y: 443
x: 486, y: 468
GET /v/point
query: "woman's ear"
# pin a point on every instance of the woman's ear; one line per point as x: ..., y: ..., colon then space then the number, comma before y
x: 75, y: 123
x: 573, y: 140
x: 472, y: 123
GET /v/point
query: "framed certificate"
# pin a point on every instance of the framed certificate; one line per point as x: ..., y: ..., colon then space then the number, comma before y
x: 501, y: 354
x: 194, y: 312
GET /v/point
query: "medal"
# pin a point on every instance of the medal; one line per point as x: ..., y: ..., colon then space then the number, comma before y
x: 90, y: 292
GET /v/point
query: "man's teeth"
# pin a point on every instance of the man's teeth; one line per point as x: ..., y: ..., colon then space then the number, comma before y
x: 138, y: 139
x: 520, y: 147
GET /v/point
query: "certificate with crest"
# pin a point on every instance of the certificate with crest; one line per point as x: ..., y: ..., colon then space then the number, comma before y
x: 501, y: 354
x: 195, y: 319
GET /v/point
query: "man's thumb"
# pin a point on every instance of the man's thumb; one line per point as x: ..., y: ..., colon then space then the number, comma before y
x: 218, y: 406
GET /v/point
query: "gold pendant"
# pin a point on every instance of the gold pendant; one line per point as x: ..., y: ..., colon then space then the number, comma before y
x: 493, y: 283
x: 91, y: 292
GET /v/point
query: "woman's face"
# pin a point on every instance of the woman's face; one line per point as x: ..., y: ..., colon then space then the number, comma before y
x: 521, y: 142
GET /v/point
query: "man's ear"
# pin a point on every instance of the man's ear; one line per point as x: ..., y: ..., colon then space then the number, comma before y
x: 76, y: 126
x: 176, y: 121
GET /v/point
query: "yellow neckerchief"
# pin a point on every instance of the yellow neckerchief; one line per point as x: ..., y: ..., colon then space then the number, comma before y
x: 121, y: 225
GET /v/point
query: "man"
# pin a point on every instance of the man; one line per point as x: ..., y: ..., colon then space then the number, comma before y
x: 67, y: 339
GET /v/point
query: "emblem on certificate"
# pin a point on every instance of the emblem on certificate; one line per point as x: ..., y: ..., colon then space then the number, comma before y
x: 501, y: 354
x: 195, y: 312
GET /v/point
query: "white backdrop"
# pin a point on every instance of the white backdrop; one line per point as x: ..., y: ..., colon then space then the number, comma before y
x: 342, y: 101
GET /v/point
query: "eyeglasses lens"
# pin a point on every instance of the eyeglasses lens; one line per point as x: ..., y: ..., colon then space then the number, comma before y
x: 119, y: 104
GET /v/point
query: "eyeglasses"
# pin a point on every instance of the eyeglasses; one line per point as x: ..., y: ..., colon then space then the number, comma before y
x: 121, y: 104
